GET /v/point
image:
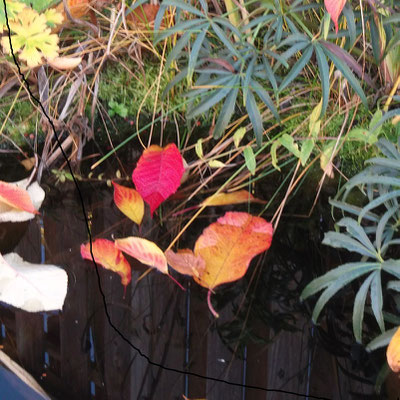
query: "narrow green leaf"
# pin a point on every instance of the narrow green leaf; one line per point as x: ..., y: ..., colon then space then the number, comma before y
x: 195, y: 52
x: 247, y: 79
x: 358, y: 309
x: 383, y: 224
x: 306, y: 150
x: 255, y: 117
x: 392, y: 267
x: 345, y: 70
x: 274, y: 158
x: 382, y: 340
x: 377, y: 299
x: 288, y: 142
x: 323, y: 69
x: 177, y: 49
x: 238, y: 136
x: 357, y: 231
x: 226, y: 113
x: 264, y: 96
x: 224, y: 39
x: 297, y: 68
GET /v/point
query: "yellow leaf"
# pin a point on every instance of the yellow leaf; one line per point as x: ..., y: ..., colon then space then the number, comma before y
x: 216, y: 164
x: 199, y: 148
x: 228, y: 245
x: 393, y: 352
x: 238, y: 136
x: 64, y: 63
x: 145, y: 251
x: 223, y: 199
x: 185, y: 262
x: 129, y: 202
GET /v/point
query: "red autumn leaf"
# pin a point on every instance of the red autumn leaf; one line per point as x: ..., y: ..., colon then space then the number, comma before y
x: 106, y: 254
x: 158, y: 174
x: 334, y: 8
x: 145, y: 251
x: 16, y: 197
x: 129, y: 202
x: 228, y: 245
x: 185, y: 262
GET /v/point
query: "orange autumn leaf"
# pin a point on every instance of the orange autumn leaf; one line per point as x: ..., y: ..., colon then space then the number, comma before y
x: 228, y: 245
x: 143, y: 15
x: 185, y: 262
x: 334, y: 8
x: 145, y: 251
x: 129, y: 202
x: 393, y: 352
x: 77, y: 8
x: 107, y: 255
x: 223, y: 199
x: 16, y: 198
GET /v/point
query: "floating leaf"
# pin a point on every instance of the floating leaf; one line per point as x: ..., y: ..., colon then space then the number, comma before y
x: 31, y: 287
x: 145, y: 251
x: 228, y: 245
x: 109, y: 256
x: 185, y: 262
x: 158, y: 174
x: 393, y: 352
x: 129, y: 202
x: 14, y: 197
x: 334, y: 8
x: 223, y: 199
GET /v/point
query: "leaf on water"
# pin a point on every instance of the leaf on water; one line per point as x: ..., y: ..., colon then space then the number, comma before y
x: 223, y: 199
x: 158, y: 174
x: 31, y: 287
x: 14, y: 197
x: 228, y: 245
x: 393, y: 352
x: 334, y: 8
x: 145, y: 251
x: 108, y: 256
x: 185, y: 262
x: 129, y: 202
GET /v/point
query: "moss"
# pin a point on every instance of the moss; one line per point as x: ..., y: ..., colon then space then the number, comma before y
x: 19, y: 125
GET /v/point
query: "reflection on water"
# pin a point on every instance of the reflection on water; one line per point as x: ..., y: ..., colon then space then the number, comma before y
x: 76, y: 354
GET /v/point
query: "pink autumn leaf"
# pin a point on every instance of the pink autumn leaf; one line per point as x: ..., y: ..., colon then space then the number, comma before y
x: 16, y: 197
x: 334, y: 8
x: 158, y: 174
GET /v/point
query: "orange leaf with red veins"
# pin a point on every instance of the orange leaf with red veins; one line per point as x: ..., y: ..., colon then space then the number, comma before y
x: 107, y: 255
x: 158, y: 174
x: 145, y: 251
x: 129, y: 202
x: 16, y: 197
x: 393, y: 352
x: 223, y: 199
x: 185, y: 262
x: 334, y: 8
x: 228, y: 245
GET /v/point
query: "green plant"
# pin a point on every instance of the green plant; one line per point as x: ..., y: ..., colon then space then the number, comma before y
x: 116, y: 108
x: 370, y: 230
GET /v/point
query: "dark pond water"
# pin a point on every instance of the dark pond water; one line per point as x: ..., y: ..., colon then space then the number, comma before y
x: 263, y: 339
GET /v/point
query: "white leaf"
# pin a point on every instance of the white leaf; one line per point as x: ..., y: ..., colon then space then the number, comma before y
x: 31, y: 287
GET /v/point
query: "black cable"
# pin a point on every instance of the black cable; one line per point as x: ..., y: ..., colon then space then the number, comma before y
x: 123, y: 337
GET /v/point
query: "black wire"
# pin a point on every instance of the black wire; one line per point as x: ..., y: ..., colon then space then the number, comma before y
x: 123, y: 337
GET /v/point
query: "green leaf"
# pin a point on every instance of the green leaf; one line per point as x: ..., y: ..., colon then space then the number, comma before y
x: 333, y: 288
x: 224, y: 39
x: 274, y: 159
x: 392, y: 267
x: 380, y: 229
x: 288, y: 142
x: 226, y: 113
x: 382, y: 340
x: 325, y: 280
x: 247, y: 79
x: 255, y: 117
x: 358, y: 309
x: 177, y: 49
x: 306, y: 150
x: 394, y: 285
x: 183, y: 6
x: 353, y: 210
x: 264, y: 96
x: 377, y: 299
x: 378, y: 201
x: 195, y: 53
x: 345, y: 70
x: 342, y: 241
x: 250, y: 159
x: 297, y: 68
x: 323, y: 69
